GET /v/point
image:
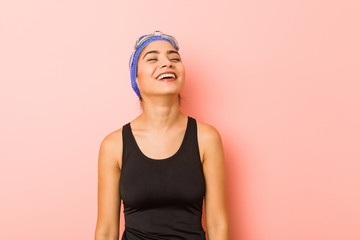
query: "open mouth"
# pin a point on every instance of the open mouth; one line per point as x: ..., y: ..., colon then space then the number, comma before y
x: 166, y: 76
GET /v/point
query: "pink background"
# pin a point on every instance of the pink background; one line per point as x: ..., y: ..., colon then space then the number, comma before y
x: 279, y: 79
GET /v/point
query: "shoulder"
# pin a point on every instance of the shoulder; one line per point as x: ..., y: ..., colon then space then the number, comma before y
x: 209, y: 140
x: 111, y: 148
x: 207, y: 133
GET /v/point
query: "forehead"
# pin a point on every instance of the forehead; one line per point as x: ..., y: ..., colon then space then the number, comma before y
x: 160, y: 45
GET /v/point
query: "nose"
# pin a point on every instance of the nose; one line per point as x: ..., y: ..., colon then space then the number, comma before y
x: 165, y: 62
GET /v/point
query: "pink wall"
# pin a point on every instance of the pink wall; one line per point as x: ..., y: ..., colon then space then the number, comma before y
x: 279, y: 79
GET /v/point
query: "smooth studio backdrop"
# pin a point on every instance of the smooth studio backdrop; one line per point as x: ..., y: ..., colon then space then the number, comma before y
x: 279, y: 79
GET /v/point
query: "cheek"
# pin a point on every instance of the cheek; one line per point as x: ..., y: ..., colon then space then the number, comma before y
x: 182, y: 70
x: 144, y: 76
x: 143, y: 72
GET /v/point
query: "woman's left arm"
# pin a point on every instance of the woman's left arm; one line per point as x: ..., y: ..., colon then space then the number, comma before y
x: 211, y: 150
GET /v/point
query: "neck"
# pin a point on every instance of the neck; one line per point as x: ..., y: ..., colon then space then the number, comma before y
x: 160, y: 113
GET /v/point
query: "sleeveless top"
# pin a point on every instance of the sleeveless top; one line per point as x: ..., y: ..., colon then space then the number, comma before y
x: 162, y: 199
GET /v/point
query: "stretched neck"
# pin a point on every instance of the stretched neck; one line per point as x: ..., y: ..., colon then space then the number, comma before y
x: 160, y: 112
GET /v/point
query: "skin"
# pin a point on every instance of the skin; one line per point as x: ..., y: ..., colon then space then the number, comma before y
x: 159, y: 131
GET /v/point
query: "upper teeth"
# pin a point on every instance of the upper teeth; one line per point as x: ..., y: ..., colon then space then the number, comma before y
x: 166, y: 75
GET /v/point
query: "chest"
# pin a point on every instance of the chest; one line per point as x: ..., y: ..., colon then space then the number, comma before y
x: 157, y: 145
x: 164, y: 182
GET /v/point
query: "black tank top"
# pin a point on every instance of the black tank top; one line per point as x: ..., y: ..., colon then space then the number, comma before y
x: 162, y: 198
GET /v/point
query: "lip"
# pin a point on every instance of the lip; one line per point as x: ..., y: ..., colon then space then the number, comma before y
x: 166, y: 73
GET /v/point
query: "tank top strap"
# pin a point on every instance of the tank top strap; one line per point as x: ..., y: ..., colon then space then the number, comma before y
x: 191, y: 144
x: 128, y: 144
x: 191, y: 132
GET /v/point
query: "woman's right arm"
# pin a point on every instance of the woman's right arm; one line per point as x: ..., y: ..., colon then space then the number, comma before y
x: 109, y: 168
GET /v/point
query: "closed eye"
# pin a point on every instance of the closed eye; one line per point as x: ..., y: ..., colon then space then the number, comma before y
x: 175, y: 59
x: 151, y: 60
x: 174, y: 56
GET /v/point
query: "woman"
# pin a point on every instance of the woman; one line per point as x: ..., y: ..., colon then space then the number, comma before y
x: 163, y: 165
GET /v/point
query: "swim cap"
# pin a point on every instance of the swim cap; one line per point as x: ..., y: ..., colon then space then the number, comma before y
x: 140, y: 44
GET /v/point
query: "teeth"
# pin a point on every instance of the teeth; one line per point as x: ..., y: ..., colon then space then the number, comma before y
x: 166, y: 75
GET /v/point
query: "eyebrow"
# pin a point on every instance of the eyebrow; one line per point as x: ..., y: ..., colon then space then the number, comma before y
x: 157, y: 52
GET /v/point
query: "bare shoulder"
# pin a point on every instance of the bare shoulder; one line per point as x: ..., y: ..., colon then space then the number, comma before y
x: 209, y: 140
x: 207, y: 133
x: 111, y: 147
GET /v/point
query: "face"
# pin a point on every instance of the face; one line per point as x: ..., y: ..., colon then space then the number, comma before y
x: 160, y: 70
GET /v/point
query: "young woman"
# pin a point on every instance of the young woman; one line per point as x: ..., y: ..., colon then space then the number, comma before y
x: 163, y: 164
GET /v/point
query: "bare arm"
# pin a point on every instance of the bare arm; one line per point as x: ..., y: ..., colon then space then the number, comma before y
x: 215, y: 199
x: 109, y: 162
